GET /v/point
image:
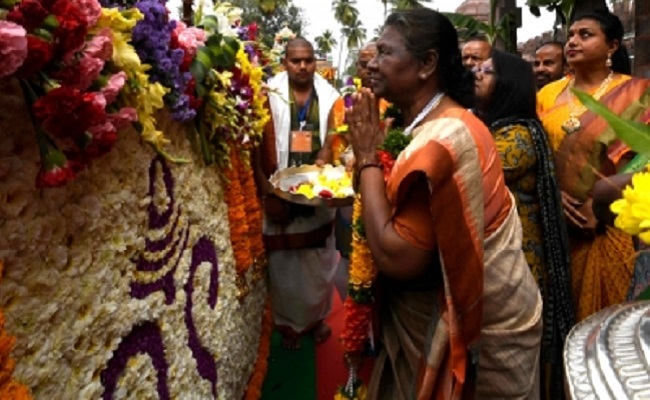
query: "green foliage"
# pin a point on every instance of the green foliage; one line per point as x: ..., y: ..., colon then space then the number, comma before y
x: 325, y: 42
x: 355, y: 34
x: 561, y: 8
x: 395, y: 141
x: 634, y: 134
x: 468, y: 26
x: 218, y: 52
x: 345, y: 11
x: 284, y: 13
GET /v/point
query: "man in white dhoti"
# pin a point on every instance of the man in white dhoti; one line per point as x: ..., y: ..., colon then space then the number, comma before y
x: 299, y: 239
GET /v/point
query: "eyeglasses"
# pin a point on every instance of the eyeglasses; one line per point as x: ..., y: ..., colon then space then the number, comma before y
x: 485, y: 70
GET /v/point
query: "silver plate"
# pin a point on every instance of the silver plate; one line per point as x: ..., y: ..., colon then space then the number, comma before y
x: 283, y: 180
x: 607, y: 355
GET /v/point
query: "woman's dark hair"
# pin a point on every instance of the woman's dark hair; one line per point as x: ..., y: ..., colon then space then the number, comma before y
x: 613, y: 29
x: 425, y: 30
x: 514, y: 92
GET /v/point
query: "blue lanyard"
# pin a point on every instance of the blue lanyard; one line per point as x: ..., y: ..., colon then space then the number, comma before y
x: 302, y: 113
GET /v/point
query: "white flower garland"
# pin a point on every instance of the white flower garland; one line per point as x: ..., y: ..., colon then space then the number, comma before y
x: 70, y: 267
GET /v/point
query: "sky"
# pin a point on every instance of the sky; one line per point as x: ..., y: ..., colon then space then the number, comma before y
x: 320, y: 17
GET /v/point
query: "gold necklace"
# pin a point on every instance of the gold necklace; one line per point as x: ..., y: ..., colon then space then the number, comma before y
x: 573, y: 124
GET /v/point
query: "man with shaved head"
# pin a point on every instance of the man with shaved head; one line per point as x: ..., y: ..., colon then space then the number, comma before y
x: 299, y: 239
x: 550, y: 64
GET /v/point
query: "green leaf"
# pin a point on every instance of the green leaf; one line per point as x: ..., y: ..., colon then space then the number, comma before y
x: 210, y: 24
x: 201, y: 64
x: 535, y: 11
x: 466, y: 25
x: 633, y: 133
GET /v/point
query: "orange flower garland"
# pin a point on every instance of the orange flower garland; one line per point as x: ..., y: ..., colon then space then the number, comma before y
x: 254, y: 389
x: 254, y: 213
x: 358, y: 305
x: 239, y: 230
x: 362, y: 274
x: 9, y: 388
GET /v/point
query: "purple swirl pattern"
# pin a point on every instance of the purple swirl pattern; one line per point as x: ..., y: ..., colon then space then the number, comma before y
x: 147, y: 337
x: 203, y: 251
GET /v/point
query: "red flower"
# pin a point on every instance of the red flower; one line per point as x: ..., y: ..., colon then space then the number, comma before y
x: 39, y: 53
x: 252, y: 31
x: 387, y: 161
x: 103, y: 138
x: 28, y: 13
x: 55, y: 177
x: 190, y: 91
x: 71, y: 33
x: 68, y: 113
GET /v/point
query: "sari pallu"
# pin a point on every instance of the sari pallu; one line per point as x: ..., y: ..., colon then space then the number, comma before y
x: 602, y: 262
x: 476, y: 331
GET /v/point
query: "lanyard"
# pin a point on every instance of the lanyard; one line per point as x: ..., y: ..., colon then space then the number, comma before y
x: 302, y: 113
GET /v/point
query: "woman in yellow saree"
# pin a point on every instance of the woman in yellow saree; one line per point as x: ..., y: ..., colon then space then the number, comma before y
x: 586, y: 148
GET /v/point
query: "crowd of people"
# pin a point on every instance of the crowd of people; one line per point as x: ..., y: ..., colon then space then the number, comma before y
x: 491, y: 235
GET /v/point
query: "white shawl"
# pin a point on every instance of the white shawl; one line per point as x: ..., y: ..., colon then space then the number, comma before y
x: 281, y: 111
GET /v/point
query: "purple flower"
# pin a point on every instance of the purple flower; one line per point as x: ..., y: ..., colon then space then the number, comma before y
x: 151, y: 39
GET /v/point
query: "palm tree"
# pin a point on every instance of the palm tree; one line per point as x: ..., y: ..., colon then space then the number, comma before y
x: 356, y: 34
x: 325, y: 42
x: 345, y: 11
x: 346, y: 14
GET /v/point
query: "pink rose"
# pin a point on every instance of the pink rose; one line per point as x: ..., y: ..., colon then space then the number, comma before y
x: 13, y: 47
x: 115, y: 84
x: 91, y: 10
x: 189, y: 39
x: 101, y: 45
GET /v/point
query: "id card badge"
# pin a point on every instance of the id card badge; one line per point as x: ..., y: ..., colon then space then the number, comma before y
x: 301, y: 140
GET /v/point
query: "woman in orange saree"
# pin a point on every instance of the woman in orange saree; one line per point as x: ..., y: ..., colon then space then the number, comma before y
x: 460, y: 313
x: 586, y: 148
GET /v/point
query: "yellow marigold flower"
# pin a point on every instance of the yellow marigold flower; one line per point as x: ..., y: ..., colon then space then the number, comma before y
x: 633, y: 210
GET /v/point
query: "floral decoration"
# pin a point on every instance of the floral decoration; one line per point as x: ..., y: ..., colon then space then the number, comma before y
x: 117, y: 285
x: 113, y: 64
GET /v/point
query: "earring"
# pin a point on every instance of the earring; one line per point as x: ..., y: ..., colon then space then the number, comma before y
x: 423, y: 76
x: 608, y: 63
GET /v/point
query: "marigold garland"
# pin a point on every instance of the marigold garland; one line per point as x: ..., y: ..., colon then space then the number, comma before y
x: 254, y: 389
x: 237, y: 215
x: 358, y: 305
x: 9, y: 388
x: 253, y: 208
